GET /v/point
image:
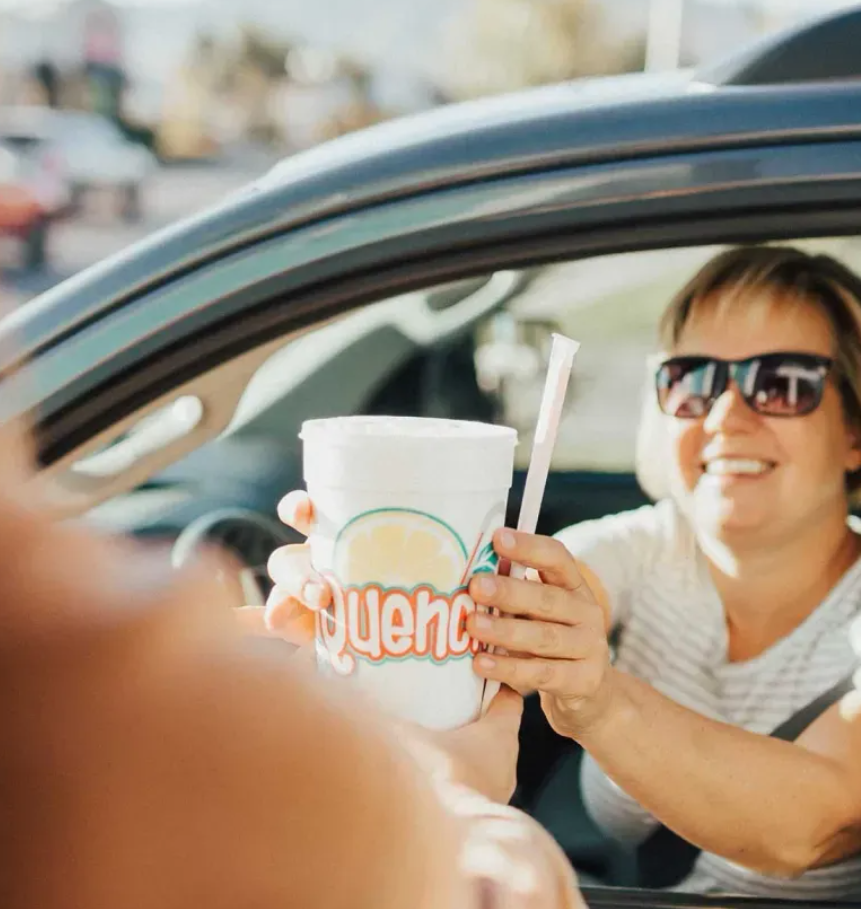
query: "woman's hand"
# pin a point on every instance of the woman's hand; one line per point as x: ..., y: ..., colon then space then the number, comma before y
x: 299, y: 592
x: 551, y: 630
x: 481, y: 756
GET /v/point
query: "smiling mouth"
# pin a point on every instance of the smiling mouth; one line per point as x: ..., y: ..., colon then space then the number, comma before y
x: 737, y: 467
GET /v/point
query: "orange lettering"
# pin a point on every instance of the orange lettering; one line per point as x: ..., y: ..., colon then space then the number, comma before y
x: 377, y: 624
x: 458, y: 639
x: 398, y: 622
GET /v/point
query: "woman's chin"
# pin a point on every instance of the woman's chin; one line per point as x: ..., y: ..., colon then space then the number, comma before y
x: 722, y: 516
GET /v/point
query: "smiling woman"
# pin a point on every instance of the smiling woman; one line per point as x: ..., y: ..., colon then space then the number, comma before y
x: 734, y: 594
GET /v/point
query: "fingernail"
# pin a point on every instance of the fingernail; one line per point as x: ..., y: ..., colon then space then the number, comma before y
x: 312, y: 595
x: 485, y: 662
x: 486, y: 586
x: 507, y: 539
x: 482, y: 622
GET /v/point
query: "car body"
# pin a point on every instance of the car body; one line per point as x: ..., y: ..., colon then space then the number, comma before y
x: 26, y: 208
x: 94, y: 153
x: 167, y: 384
x: 25, y: 132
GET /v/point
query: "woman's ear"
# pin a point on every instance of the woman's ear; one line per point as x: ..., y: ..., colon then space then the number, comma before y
x: 853, y: 454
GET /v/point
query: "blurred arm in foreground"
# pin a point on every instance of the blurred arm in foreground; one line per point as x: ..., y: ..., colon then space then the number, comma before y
x: 151, y: 757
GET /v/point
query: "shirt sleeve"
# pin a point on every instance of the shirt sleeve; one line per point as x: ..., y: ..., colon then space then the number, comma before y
x: 620, y: 548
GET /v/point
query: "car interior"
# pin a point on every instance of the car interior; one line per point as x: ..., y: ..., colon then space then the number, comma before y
x: 207, y: 462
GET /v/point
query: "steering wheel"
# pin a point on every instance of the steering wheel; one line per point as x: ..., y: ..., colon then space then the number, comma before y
x: 250, y: 537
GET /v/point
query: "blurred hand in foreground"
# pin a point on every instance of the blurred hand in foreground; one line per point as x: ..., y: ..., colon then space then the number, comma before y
x: 153, y: 757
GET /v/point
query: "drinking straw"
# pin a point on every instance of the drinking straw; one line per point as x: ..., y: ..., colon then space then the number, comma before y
x: 562, y: 355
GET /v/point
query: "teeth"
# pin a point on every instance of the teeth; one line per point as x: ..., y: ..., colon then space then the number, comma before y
x: 726, y: 466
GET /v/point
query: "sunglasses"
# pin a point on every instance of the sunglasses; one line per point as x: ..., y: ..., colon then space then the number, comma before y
x: 773, y: 385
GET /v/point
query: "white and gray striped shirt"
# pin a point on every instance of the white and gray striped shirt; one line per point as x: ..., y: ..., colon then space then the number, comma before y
x: 674, y: 636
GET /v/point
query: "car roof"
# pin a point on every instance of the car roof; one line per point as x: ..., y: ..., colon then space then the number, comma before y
x: 816, y: 50
x: 531, y: 108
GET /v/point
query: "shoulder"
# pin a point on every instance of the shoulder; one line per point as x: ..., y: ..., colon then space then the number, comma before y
x: 650, y: 530
x: 618, y: 553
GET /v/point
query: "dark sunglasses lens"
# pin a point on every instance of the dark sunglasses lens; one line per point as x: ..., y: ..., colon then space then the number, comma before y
x: 788, y: 387
x: 686, y: 389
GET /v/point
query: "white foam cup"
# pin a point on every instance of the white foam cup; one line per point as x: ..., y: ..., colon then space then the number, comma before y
x: 405, y: 509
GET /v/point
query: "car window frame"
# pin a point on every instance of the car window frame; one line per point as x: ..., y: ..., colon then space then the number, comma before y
x: 459, y: 233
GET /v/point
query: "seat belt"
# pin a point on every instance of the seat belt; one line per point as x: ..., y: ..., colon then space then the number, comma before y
x: 665, y: 858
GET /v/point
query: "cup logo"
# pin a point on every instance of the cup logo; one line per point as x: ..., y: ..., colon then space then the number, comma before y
x: 399, y: 583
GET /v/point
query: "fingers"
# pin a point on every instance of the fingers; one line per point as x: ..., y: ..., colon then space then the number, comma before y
x: 296, y: 511
x: 547, y: 556
x: 285, y: 615
x: 290, y: 569
x: 565, y: 678
x: 542, y: 639
x: 295, y: 627
x: 251, y: 620
x: 533, y: 600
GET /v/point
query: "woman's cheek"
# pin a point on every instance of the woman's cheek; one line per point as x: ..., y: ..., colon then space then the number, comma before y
x: 685, y: 454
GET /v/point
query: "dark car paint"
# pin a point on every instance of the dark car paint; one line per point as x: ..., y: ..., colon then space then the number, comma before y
x: 821, y: 50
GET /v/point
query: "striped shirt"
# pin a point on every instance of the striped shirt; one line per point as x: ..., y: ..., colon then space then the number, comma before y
x: 674, y: 636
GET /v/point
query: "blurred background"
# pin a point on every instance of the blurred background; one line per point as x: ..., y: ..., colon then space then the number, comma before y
x: 118, y: 117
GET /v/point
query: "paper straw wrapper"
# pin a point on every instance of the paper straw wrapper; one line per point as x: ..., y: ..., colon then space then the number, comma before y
x: 562, y: 355
x: 549, y: 416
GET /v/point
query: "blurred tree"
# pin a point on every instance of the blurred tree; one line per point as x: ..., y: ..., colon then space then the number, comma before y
x: 262, y: 53
x: 48, y: 77
x: 504, y: 45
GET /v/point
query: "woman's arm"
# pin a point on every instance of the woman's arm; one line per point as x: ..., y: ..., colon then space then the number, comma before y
x: 773, y: 806
x: 780, y: 808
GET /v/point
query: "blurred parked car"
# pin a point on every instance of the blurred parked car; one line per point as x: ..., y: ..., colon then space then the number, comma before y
x: 92, y: 152
x: 40, y: 160
x: 25, y: 215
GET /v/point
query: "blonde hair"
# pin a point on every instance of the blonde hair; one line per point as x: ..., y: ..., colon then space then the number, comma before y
x: 788, y: 276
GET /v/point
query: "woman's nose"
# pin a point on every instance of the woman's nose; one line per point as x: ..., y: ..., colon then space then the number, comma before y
x: 729, y: 411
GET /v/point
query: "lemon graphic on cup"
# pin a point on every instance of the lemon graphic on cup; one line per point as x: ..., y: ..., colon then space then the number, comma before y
x: 397, y: 548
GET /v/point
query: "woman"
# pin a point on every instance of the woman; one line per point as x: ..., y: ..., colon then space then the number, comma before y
x: 734, y: 594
